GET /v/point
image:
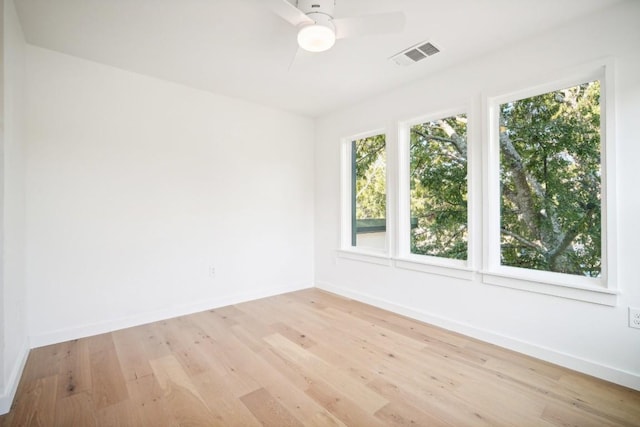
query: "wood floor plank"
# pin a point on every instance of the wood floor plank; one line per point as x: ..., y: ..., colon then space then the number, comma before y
x: 493, y: 397
x: 286, y: 383
x: 154, y: 346
x: 227, y: 355
x: 304, y: 358
x: 147, y: 399
x: 592, y: 395
x: 280, y: 379
x: 130, y: 347
x: 226, y: 408
x: 75, y: 368
x: 272, y: 312
x: 403, y: 414
x: 35, y: 405
x: 322, y: 371
x: 76, y: 410
x: 268, y: 410
x: 341, y: 406
x: 435, y: 401
x: 43, y: 363
x: 248, y: 338
x: 121, y: 414
x: 294, y: 376
x: 294, y: 335
x: 183, y: 400
x: 567, y: 416
x: 107, y: 381
x: 182, y: 337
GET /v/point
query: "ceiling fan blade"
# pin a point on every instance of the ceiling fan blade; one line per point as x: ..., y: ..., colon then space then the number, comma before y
x: 288, y: 12
x: 293, y: 59
x: 383, y: 23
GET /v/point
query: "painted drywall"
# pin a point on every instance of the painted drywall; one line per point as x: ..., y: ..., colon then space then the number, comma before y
x: 2, y: 321
x: 13, y: 319
x: 588, y: 337
x: 136, y: 187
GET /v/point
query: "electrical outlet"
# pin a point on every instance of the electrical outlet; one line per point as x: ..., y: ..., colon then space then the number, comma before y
x: 212, y: 271
x: 634, y: 317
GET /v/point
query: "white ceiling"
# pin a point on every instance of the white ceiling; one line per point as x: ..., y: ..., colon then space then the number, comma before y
x: 241, y: 49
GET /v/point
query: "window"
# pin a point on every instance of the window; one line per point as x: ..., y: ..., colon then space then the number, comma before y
x: 368, y: 192
x: 550, y: 181
x: 549, y: 228
x: 536, y: 182
x: 438, y: 187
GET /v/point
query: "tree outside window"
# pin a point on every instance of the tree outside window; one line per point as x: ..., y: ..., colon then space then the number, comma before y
x: 368, y: 192
x: 550, y: 181
x: 438, y: 184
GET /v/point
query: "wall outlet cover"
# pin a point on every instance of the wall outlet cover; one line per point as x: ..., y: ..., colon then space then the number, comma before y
x: 634, y: 317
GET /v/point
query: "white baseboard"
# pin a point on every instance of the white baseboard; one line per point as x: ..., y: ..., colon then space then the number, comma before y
x: 68, y: 334
x: 608, y: 373
x: 6, y: 398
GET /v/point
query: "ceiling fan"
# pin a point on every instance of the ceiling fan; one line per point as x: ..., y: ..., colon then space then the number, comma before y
x: 318, y: 29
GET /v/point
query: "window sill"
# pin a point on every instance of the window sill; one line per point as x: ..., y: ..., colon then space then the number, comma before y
x: 443, y: 267
x: 506, y: 279
x: 592, y: 294
x: 370, y: 256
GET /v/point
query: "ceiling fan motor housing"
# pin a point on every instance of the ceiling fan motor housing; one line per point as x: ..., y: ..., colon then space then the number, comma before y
x: 319, y: 35
x: 314, y: 7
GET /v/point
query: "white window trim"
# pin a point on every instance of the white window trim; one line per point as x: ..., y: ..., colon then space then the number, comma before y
x: 431, y: 264
x: 346, y: 249
x: 363, y: 255
x: 593, y: 294
x: 601, y: 290
x: 435, y: 265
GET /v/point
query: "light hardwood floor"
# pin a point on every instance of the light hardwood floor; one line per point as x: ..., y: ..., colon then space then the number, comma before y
x: 304, y: 358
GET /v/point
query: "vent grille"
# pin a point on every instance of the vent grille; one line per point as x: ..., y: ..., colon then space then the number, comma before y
x: 415, y: 53
x: 429, y: 49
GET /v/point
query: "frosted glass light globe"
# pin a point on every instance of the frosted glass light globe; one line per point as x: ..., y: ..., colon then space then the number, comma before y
x: 316, y: 38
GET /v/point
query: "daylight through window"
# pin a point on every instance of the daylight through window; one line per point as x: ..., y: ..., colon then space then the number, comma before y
x: 368, y: 192
x: 438, y: 184
x: 550, y: 181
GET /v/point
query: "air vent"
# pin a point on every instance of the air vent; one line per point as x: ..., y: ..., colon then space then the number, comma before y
x: 429, y: 49
x: 415, y: 53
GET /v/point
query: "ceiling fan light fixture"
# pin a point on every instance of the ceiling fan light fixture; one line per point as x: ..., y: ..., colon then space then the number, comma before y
x: 316, y: 37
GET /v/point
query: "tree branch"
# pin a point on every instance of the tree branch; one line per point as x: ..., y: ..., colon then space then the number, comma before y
x: 458, y: 141
x: 369, y: 179
x: 371, y: 153
x: 555, y: 255
x: 451, y: 141
x: 523, y: 197
x: 522, y: 240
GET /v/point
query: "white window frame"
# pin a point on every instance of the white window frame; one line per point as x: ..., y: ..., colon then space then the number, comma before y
x: 462, y: 269
x: 372, y: 255
x: 602, y: 290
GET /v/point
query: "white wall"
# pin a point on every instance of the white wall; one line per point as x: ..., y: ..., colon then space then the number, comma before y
x: 584, y: 336
x: 13, y: 318
x: 136, y: 186
x: 3, y: 392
